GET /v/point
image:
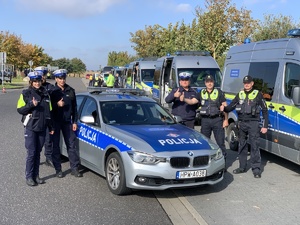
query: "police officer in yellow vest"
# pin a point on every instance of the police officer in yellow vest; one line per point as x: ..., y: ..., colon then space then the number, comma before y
x: 212, y: 119
x: 248, y: 104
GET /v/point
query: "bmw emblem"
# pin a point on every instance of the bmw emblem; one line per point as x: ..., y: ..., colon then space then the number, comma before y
x: 190, y: 153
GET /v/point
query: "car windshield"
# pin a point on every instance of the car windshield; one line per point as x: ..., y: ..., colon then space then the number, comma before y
x: 134, y: 113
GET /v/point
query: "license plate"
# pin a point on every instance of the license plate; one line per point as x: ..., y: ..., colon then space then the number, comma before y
x: 190, y: 174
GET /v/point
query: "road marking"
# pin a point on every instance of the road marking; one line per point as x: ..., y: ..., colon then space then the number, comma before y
x: 179, y: 210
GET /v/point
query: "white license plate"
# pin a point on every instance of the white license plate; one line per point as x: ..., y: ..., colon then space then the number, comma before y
x: 190, y: 174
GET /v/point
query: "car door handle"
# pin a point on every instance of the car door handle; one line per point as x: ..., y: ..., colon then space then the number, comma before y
x: 271, y: 106
x: 282, y: 108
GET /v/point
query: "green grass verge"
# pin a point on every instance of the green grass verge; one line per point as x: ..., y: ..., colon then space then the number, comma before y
x: 16, y: 82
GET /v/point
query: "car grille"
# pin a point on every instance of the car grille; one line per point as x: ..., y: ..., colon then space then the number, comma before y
x: 180, y: 162
x: 183, y: 162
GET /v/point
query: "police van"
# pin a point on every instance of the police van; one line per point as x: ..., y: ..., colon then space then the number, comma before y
x: 275, y: 68
x: 140, y: 74
x: 197, y: 63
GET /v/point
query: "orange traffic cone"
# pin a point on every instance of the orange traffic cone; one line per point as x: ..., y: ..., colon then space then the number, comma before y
x: 3, y: 90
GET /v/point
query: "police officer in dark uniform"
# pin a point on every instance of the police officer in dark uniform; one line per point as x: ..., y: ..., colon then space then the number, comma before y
x: 34, y: 104
x: 180, y: 108
x: 248, y: 104
x: 212, y: 119
x: 65, y: 120
x: 48, y: 140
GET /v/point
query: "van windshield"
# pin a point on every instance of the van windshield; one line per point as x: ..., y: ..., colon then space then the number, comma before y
x: 198, y: 76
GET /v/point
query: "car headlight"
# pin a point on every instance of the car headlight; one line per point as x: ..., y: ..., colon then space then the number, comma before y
x: 144, y: 158
x: 218, y: 155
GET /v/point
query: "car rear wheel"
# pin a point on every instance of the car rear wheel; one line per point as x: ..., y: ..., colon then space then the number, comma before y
x: 115, y: 175
x: 232, y: 137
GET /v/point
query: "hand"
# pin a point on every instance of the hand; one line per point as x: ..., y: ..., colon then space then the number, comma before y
x: 264, y: 130
x: 74, y: 126
x: 177, y: 93
x: 34, y: 101
x: 181, y: 98
x: 61, y: 102
x: 222, y: 108
x: 51, y: 132
x: 225, y: 123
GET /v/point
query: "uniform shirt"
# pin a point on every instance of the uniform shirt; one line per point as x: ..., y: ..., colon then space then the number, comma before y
x: 260, y: 102
x: 40, y: 118
x: 67, y: 113
x: 185, y: 111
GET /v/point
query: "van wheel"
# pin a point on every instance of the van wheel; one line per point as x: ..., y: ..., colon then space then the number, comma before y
x: 232, y: 137
x: 115, y: 175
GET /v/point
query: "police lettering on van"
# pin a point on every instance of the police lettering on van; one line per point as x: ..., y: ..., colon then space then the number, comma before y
x: 275, y: 68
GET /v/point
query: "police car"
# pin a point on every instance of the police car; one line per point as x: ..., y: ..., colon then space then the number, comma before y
x: 136, y: 144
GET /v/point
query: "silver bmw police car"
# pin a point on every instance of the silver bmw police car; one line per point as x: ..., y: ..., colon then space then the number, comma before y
x: 136, y: 144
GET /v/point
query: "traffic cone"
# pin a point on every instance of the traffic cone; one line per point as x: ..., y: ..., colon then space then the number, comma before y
x: 3, y: 90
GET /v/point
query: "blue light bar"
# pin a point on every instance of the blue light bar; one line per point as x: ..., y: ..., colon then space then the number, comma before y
x: 294, y: 33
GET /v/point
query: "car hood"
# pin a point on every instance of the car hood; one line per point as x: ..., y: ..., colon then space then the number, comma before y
x: 158, y: 138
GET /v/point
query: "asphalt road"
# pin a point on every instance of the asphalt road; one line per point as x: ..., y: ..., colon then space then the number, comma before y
x: 237, y: 200
x: 69, y: 200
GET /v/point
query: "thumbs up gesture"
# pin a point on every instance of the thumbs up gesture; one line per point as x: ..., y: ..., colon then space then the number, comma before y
x: 34, y: 101
x: 61, y: 102
x: 182, y: 97
x: 177, y: 93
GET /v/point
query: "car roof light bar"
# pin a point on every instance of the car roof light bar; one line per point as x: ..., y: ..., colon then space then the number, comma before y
x: 105, y: 90
x: 193, y: 53
x: 294, y: 33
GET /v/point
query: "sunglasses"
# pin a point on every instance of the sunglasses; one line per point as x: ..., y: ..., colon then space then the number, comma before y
x: 185, y: 78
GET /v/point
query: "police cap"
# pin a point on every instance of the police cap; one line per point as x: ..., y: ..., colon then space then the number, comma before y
x: 60, y: 73
x: 247, y: 79
x: 35, y: 75
x: 209, y: 78
x: 43, y: 69
x: 184, y: 75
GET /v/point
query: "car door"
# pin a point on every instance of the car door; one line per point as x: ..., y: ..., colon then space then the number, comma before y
x: 88, y: 133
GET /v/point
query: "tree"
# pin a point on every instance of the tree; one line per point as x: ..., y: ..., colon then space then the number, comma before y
x: 222, y: 25
x: 119, y: 58
x: 273, y: 27
x: 78, y: 66
x: 63, y: 63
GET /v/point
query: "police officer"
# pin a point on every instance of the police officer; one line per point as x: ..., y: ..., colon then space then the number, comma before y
x: 212, y: 120
x: 65, y: 120
x: 180, y: 108
x: 34, y: 104
x: 48, y: 140
x: 248, y: 104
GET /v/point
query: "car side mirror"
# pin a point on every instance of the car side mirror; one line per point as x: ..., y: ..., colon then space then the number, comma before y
x: 296, y: 95
x: 89, y: 119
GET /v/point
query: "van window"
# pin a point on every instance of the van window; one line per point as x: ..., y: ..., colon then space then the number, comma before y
x: 264, y: 75
x: 198, y: 76
x: 291, y: 78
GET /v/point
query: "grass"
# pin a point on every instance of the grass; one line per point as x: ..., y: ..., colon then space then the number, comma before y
x: 16, y: 82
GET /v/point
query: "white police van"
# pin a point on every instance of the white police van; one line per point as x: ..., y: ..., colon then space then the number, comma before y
x: 197, y: 63
x: 144, y: 71
x: 275, y: 67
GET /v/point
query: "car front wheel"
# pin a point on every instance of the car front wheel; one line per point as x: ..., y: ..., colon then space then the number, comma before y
x: 232, y: 137
x: 115, y: 175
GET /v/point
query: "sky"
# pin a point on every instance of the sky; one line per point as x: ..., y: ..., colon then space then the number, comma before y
x: 90, y: 29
